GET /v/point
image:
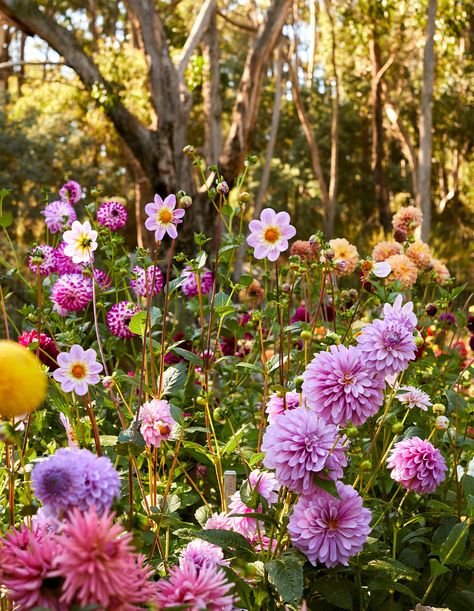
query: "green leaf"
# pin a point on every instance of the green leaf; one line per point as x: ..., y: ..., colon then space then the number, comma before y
x: 172, y: 504
x: 174, y: 378
x: 251, y: 366
x: 437, y: 568
x: 201, y: 260
x: 6, y: 219
x: 396, y: 569
x: 176, y: 283
x: 453, y: 548
x: 337, y: 592
x: 195, y: 449
x: 202, y: 514
x: 461, y: 601
x: 131, y: 441
x: 137, y: 323
x: 245, y: 280
x: 326, y: 484
x: 230, y: 446
x: 227, y: 539
x: 108, y: 440
x: 286, y: 576
x: 189, y: 356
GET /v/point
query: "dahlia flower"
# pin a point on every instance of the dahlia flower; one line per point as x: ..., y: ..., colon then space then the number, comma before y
x: 342, y: 385
x: 163, y: 217
x: 64, y: 264
x: 402, y: 315
x: 439, y: 271
x: 276, y: 404
x: 81, y: 241
x: 300, y: 445
x: 407, y: 219
x: 387, y: 346
x: 345, y: 258
x: 190, y: 285
x: 71, y: 192
x: 247, y: 527
x: 330, y: 530
x: 266, y: 484
x: 420, y: 254
x: 71, y: 293
x: 78, y: 369
x: 414, y: 397
x: 156, y: 423
x: 102, y: 279
x: 98, y: 564
x: 218, y: 521
x: 269, y: 236
x: 146, y: 283
x: 417, y: 465
x: 202, y: 553
x: 383, y: 250
x: 304, y: 249
x: 403, y: 270
x: 58, y: 215
x: 301, y: 314
x: 47, y: 349
x: 112, y: 215
x: 42, y: 259
x: 119, y: 317
x: 196, y: 589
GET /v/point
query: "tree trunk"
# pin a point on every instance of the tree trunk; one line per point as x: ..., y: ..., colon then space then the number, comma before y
x: 426, y: 123
x: 211, y: 93
x: 4, y: 57
x: 313, y: 33
x: 333, y: 172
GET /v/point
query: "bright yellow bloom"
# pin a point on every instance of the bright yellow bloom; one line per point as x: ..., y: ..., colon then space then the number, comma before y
x: 22, y: 382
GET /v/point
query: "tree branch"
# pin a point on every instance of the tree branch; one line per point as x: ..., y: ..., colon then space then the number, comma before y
x: 199, y: 27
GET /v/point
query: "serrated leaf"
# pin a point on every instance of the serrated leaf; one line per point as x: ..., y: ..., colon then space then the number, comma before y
x: 189, y: 356
x: 453, y: 548
x: 338, y: 592
x: 227, y: 539
x: 201, y: 260
x: 174, y: 377
x: 202, y: 514
x: 328, y: 485
x: 286, y: 576
x: 396, y: 569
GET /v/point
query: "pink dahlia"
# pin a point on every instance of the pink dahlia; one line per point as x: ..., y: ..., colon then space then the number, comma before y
x: 330, y: 530
x: 202, y: 553
x: 71, y: 192
x: 383, y: 250
x: 146, y: 283
x: 301, y: 315
x: 269, y: 236
x: 195, y: 589
x: 276, y: 404
x: 71, y: 293
x: 247, y: 527
x: 439, y: 271
x: 190, y: 285
x: 414, y: 397
x: 387, y: 346
x: 98, y: 563
x: 266, y: 484
x: 58, y: 216
x: 64, y: 264
x: 163, y: 217
x: 78, y: 369
x: 300, y: 445
x: 48, y: 351
x: 119, y: 317
x: 112, y: 215
x: 102, y: 279
x: 407, y: 219
x: 341, y: 386
x: 402, y: 315
x: 417, y: 465
x: 156, y: 423
x: 218, y: 521
x: 42, y: 258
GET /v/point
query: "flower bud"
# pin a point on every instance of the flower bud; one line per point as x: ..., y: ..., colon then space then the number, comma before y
x: 400, y: 235
x: 201, y: 400
x: 189, y: 150
x: 185, y: 202
x: 419, y: 341
x: 365, y: 465
x: 352, y: 432
x: 439, y: 408
x: 108, y: 382
x: 441, y: 423
x: 245, y: 197
x: 299, y: 383
x: 286, y: 288
x: 397, y: 428
x: 222, y: 188
x: 306, y: 335
x: 431, y: 309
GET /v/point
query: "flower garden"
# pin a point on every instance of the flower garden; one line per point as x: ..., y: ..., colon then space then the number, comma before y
x: 176, y: 437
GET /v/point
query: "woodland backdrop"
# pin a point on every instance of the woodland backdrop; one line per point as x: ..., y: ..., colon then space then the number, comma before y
x: 342, y: 110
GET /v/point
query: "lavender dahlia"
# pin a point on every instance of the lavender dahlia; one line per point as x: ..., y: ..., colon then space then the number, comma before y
x: 190, y: 285
x: 414, y: 397
x: 417, y: 465
x: 300, y: 445
x: 269, y: 236
x: 276, y: 404
x: 112, y: 215
x: 202, y: 553
x: 119, y: 316
x: 71, y: 293
x: 403, y: 315
x: 145, y: 283
x: 341, y: 386
x: 330, y: 530
x: 42, y: 259
x: 59, y: 215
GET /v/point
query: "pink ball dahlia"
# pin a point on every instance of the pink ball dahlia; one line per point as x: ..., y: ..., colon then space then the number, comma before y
x: 156, y: 423
x: 112, y: 215
x: 276, y: 404
x: 71, y: 293
x: 341, y: 386
x: 417, y: 465
x: 330, y: 530
x: 269, y: 236
x: 98, y: 564
x: 59, y: 215
x: 64, y: 264
x: 266, y: 484
x: 190, y: 285
x: 71, y: 192
x: 300, y: 445
x: 42, y: 258
x: 196, y: 589
x: 146, y: 283
x: 119, y: 317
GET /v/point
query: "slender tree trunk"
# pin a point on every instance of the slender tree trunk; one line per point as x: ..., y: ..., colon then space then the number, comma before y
x: 313, y: 33
x: 211, y: 93
x: 426, y: 122
x: 333, y: 172
x: 4, y: 57
x: 21, y: 73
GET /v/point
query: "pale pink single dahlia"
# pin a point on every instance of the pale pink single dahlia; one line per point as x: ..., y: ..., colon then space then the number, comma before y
x: 269, y: 236
x: 163, y: 216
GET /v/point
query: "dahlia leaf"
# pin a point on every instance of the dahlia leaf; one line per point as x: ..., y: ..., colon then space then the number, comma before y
x: 452, y: 549
x: 286, y: 575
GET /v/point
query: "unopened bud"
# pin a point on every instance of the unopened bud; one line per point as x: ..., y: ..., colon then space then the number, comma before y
x: 365, y: 465
x: 245, y: 197
x: 189, y: 150
x: 299, y: 383
x: 439, y: 408
x: 431, y: 309
x: 222, y: 188
x: 442, y: 423
x: 400, y: 235
x: 108, y: 382
x: 185, y: 202
x: 397, y: 428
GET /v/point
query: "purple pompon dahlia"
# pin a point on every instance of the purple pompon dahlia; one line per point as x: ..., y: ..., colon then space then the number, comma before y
x: 190, y: 285
x: 64, y: 264
x: 330, y: 530
x: 403, y: 315
x: 112, y: 215
x: 119, y: 316
x: 71, y: 192
x: 196, y: 589
x: 341, y: 386
x: 300, y: 445
x: 417, y: 465
x: 156, y: 422
x: 58, y: 216
x: 146, y: 283
x: 71, y: 293
x: 102, y: 279
x: 42, y: 258
x: 276, y: 404
x: 387, y: 346
x: 202, y: 553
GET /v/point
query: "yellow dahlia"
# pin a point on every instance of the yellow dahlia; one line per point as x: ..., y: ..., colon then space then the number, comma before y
x: 420, y: 254
x: 346, y: 256
x: 407, y: 219
x: 403, y: 270
x: 440, y: 271
x: 22, y: 381
x: 383, y: 250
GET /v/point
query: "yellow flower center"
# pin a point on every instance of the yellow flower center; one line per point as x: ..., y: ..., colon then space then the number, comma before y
x: 165, y: 216
x: 85, y: 242
x: 78, y: 371
x: 272, y: 234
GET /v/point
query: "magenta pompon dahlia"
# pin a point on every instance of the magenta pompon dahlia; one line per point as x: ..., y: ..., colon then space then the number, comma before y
x: 64, y: 264
x: 112, y: 215
x: 71, y: 192
x: 330, y: 530
x: 269, y: 236
x: 417, y: 465
x: 342, y: 386
x: 163, y: 217
x: 42, y: 258
x: 78, y: 369
x: 119, y: 317
x: 276, y: 404
x: 156, y: 422
x: 71, y: 293
x: 300, y: 446
x: 146, y: 283
x: 102, y: 279
x: 58, y: 216
x: 190, y: 285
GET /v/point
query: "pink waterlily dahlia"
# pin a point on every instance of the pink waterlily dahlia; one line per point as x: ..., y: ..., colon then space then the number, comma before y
x: 417, y: 465
x: 300, y: 446
x: 163, y: 217
x: 342, y: 386
x: 269, y: 236
x: 330, y: 530
x: 414, y: 397
x: 401, y: 314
